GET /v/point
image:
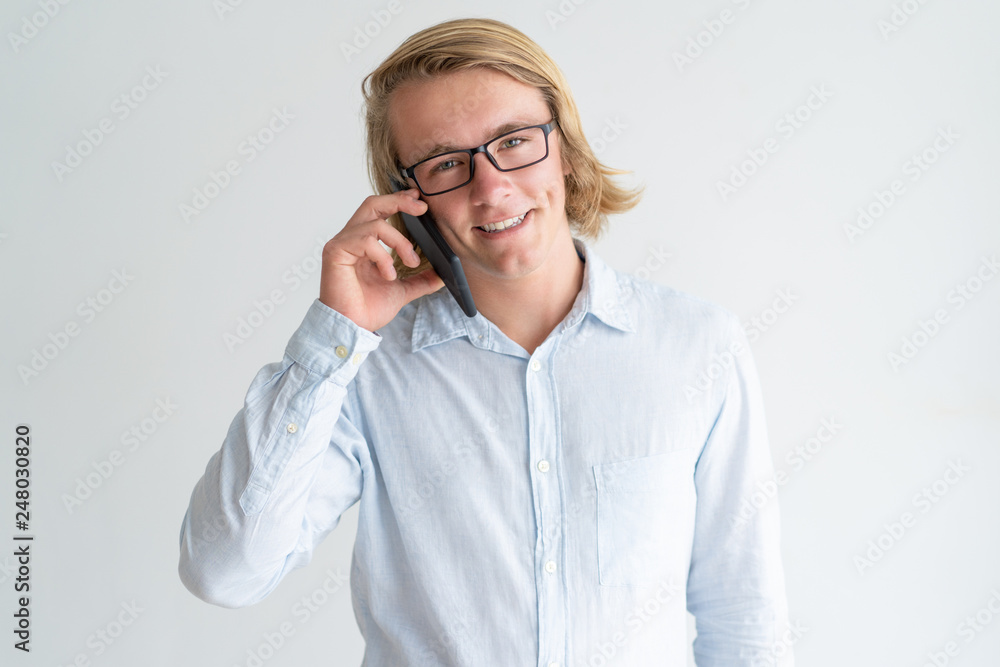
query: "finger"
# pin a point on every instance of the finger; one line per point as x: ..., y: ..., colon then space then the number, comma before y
x: 395, y: 239
x: 353, y: 245
x: 374, y: 251
x: 358, y: 249
x: 382, y: 206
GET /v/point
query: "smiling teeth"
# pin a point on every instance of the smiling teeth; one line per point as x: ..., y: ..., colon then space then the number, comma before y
x: 504, y: 224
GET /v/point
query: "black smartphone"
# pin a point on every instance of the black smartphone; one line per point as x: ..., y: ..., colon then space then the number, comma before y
x: 425, y: 233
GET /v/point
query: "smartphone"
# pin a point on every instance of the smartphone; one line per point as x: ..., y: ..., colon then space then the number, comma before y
x: 425, y: 233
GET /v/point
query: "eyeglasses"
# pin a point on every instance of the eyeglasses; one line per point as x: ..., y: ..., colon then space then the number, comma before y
x: 510, y: 151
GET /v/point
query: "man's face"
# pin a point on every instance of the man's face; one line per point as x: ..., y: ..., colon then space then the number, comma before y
x: 467, y: 109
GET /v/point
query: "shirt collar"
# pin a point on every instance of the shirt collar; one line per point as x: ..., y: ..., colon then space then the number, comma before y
x: 604, y: 294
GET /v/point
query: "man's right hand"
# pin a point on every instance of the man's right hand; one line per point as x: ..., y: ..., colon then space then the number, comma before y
x: 358, y: 279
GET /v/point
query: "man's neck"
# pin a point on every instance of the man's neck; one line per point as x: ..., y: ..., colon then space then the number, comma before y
x: 527, y: 310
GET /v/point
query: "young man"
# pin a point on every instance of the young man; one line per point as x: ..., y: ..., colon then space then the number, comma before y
x: 551, y: 482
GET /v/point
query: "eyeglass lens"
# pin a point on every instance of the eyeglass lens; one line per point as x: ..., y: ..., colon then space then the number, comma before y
x: 510, y: 151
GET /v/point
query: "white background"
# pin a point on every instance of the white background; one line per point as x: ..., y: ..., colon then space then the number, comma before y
x: 680, y: 128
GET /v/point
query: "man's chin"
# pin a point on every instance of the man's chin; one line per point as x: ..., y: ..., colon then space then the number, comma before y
x: 507, y: 268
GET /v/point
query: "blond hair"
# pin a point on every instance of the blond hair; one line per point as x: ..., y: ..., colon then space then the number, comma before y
x: 464, y: 44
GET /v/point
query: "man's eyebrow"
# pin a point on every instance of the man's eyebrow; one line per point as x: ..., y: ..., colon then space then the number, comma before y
x: 493, y: 134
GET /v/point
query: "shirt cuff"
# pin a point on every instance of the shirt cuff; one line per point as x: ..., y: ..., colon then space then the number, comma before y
x: 330, y: 344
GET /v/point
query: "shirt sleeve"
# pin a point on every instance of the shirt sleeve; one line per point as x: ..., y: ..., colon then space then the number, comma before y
x: 736, y: 585
x: 289, y: 467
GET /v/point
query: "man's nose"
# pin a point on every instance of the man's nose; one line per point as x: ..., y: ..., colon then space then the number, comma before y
x: 487, y: 181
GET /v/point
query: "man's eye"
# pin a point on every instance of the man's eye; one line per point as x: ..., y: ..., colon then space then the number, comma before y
x: 445, y: 165
x: 512, y: 142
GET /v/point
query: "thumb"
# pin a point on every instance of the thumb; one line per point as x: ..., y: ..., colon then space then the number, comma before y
x: 421, y: 284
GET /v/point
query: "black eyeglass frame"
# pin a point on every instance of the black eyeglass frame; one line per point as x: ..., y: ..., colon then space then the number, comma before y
x: 408, y: 172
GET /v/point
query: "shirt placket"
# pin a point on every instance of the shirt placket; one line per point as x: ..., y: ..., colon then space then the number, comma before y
x: 543, y: 450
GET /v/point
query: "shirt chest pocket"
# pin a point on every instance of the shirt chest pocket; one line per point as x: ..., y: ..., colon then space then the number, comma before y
x: 645, y: 519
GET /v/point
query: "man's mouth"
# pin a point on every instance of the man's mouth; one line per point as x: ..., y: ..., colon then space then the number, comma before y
x: 503, y: 224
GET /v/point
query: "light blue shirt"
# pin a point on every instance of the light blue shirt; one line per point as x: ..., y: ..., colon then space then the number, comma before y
x: 562, y: 508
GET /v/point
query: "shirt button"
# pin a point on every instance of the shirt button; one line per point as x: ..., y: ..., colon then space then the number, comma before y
x: 550, y: 566
x: 356, y: 359
x: 543, y: 466
x: 341, y: 351
x: 536, y: 365
x: 292, y: 428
